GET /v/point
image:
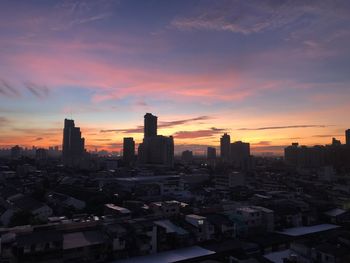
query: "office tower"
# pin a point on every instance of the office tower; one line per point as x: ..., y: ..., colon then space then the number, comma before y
x: 16, y: 152
x: 211, y: 153
x: 73, y: 144
x: 128, y: 150
x: 225, y: 142
x: 155, y: 150
x: 187, y: 156
x: 347, y: 137
x: 150, y: 125
x: 240, y: 154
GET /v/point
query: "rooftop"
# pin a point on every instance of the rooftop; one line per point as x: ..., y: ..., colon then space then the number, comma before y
x: 82, y: 239
x: 170, y: 256
x: 304, y: 230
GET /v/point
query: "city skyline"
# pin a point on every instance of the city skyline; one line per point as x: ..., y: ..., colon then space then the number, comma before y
x: 204, y: 68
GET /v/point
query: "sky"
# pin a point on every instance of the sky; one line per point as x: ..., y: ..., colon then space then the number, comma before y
x: 267, y: 72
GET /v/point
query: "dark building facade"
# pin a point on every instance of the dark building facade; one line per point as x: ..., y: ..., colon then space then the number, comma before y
x: 73, y: 147
x: 129, y: 150
x: 150, y: 125
x: 240, y: 154
x: 347, y: 137
x: 187, y: 156
x: 335, y: 154
x: 211, y: 153
x: 225, y: 142
x: 155, y: 150
x: 16, y: 152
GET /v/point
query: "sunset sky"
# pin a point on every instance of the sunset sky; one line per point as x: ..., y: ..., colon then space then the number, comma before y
x: 267, y: 72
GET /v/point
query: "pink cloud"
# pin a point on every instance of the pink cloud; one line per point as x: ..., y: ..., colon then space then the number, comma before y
x: 113, y: 81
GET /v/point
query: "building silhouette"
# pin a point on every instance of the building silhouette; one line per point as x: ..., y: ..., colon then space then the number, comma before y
x: 150, y: 125
x: 211, y: 153
x: 335, y: 142
x: 240, y: 155
x: 41, y: 154
x: 187, y: 156
x: 225, y: 145
x: 336, y: 155
x: 16, y: 152
x: 155, y: 150
x: 128, y: 150
x: 73, y: 144
x: 347, y: 137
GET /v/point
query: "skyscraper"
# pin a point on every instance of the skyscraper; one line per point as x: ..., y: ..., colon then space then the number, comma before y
x: 128, y: 150
x: 73, y: 143
x: 347, y: 137
x: 225, y: 142
x: 155, y: 150
x: 150, y: 125
x: 211, y: 153
x: 240, y: 154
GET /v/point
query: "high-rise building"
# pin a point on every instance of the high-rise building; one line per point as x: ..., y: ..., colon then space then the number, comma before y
x: 240, y: 154
x: 347, y: 137
x: 150, y: 125
x: 225, y: 142
x: 155, y: 150
x: 73, y: 144
x: 211, y: 153
x: 129, y: 150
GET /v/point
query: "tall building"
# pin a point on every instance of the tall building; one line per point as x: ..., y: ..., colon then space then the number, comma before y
x: 211, y: 153
x: 129, y: 150
x: 155, y: 150
x: 225, y: 142
x: 347, y: 137
x: 240, y: 154
x: 73, y: 144
x: 150, y: 125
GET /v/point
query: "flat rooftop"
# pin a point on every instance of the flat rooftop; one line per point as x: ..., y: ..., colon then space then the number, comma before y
x: 304, y: 230
x: 120, y: 209
x: 277, y: 257
x: 170, y: 256
x: 147, y: 178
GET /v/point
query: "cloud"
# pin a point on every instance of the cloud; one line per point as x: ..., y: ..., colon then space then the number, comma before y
x: 39, y: 138
x: 166, y: 124
x: 102, y: 140
x: 327, y: 135
x: 247, y: 17
x: 163, y: 124
x: 39, y: 91
x: 139, y: 129
x: 4, y: 121
x: 7, y: 89
x: 283, y: 127
x: 262, y: 143
x: 74, y: 13
x: 198, y: 133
